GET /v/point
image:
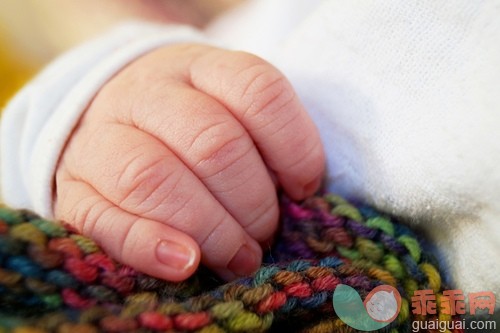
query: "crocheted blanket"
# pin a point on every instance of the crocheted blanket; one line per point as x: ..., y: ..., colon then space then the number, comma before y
x: 54, y: 280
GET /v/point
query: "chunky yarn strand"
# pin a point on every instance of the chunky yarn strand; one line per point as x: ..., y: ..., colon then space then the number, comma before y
x: 55, y: 280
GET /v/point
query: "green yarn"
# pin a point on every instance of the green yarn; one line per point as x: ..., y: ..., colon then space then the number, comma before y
x: 349, y: 253
x: 84, y: 243
x: 348, y: 211
x: 49, y: 228
x: 52, y: 301
x: 370, y: 250
x: 10, y: 217
x: 245, y: 321
x: 227, y: 310
x: 393, y: 265
x: 381, y: 223
x: 412, y: 245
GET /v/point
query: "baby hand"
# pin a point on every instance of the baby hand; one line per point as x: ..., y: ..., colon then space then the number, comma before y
x: 177, y: 157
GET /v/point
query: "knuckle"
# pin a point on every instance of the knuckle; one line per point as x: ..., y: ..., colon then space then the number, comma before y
x: 220, y: 147
x: 130, y: 242
x: 144, y: 183
x: 264, y: 220
x: 214, y: 230
x: 89, y: 216
x: 305, y: 168
x: 310, y: 163
x: 265, y: 91
x: 221, y: 242
x: 83, y: 215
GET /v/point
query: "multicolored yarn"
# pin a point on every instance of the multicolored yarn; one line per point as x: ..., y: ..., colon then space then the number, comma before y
x: 54, y: 280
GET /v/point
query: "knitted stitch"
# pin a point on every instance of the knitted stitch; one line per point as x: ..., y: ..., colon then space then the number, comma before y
x: 54, y: 280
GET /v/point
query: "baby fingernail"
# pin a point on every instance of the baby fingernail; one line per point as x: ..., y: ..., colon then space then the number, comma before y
x: 175, y: 255
x: 244, y: 261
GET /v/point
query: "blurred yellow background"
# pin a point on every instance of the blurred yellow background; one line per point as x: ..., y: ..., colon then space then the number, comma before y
x: 14, y: 71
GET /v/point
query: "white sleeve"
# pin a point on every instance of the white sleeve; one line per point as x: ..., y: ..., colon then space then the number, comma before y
x: 38, y: 121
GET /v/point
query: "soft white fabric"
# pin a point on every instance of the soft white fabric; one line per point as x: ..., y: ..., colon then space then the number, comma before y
x: 406, y: 95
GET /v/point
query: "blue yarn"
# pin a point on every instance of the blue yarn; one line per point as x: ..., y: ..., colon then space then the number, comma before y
x: 290, y: 304
x: 24, y: 266
x: 315, y: 301
x: 332, y: 262
x: 413, y: 269
x: 298, y: 266
x: 403, y: 230
x: 61, y: 279
x: 263, y: 274
x: 368, y: 212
